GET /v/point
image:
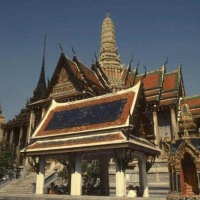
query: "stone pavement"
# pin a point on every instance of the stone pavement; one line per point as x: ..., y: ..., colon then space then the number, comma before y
x: 67, y: 197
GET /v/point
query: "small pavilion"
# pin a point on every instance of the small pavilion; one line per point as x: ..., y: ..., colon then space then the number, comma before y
x: 109, y: 126
x: 184, y: 158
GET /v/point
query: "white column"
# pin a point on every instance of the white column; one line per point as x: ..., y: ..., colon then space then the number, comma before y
x: 11, y: 136
x: 76, y: 178
x: 174, y: 123
x: 143, y: 174
x: 40, y: 176
x: 19, y: 143
x: 155, y: 122
x: 31, y: 126
x: 120, y: 174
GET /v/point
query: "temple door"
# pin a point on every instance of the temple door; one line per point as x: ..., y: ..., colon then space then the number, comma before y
x: 189, y: 173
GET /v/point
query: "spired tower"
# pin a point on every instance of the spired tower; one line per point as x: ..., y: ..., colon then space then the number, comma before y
x: 109, y: 58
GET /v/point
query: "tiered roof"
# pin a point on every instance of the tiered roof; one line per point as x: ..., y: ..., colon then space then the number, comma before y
x: 194, y: 103
x: 172, y: 88
x: 95, y: 123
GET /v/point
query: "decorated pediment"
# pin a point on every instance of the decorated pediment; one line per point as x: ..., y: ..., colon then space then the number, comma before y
x: 62, y: 85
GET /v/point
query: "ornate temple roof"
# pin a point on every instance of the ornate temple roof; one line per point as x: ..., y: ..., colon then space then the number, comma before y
x: 71, y: 78
x: 152, y: 83
x: 98, y: 122
x: 194, y: 103
x: 93, y: 114
x: 172, y: 87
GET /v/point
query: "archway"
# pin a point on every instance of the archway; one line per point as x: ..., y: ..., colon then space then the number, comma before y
x: 189, y: 175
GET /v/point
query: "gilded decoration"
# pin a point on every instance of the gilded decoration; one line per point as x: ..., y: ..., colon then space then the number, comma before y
x: 187, y: 122
x: 63, y: 83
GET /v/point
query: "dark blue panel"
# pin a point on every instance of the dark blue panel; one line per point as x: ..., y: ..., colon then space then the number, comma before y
x: 100, y: 113
x: 174, y: 147
x: 196, y: 142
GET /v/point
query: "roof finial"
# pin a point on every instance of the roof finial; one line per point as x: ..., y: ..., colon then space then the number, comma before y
x: 108, y: 13
x: 0, y: 109
x: 145, y: 72
x: 166, y: 60
x: 138, y: 63
x: 43, y: 60
x: 131, y: 59
x: 73, y: 51
x: 60, y: 47
x: 95, y: 55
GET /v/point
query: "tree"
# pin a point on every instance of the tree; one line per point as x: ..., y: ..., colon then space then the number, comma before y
x: 7, y: 157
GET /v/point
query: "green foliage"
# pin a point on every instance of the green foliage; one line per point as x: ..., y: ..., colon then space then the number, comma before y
x: 64, y: 173
x: 90, y: 170
x: 7, y: 157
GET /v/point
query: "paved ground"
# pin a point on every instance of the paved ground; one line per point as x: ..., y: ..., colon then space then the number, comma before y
x: 67, y: 197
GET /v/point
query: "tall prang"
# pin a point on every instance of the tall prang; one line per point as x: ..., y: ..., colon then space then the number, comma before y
x: 109, y: 58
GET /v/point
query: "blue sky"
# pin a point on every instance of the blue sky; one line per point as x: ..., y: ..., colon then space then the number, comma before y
x: 150, y: 30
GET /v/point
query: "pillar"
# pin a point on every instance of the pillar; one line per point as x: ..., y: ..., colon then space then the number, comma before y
x: 120, y: 173
x: 76, y: 178
x: 31, y: 126
x: 155, y: 122
x: 11, y: 137
x: 104, y: 175
x: 40, y: 176
x: 178, y: 182
x: 19, y: 143
x: 143, y: 173
x: 198, y: 177
x: 174, y: 123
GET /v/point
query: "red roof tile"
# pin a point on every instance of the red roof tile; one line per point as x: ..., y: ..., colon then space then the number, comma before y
x: 170, y: 82
x: 70, y: 143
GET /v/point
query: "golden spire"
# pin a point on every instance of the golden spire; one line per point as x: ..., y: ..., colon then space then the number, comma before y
x: 108, y: 57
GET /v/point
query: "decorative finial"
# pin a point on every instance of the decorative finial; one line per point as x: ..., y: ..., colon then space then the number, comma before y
x: 108, y: 13
x: 166, y: 61
x: 73, y: 51
x: 45, y: 36
x: 43, y: 60
x: 138, y: 63
x: 145, y: 72
x: 95, y: 55
x: 131, y: 59
x: 60, y: 47
x: 0, y: 110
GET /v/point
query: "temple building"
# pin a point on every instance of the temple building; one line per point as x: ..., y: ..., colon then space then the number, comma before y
x: 184, y: 162
x: 150, y: 117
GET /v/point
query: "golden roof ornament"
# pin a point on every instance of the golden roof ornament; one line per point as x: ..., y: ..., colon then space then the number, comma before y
x: 186, y: 119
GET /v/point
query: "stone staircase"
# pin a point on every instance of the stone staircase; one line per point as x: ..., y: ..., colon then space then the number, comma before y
x: 159, y: 191
x: 19, y: 186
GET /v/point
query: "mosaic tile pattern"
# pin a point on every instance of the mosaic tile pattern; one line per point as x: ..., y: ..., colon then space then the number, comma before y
x: 100, y: 113
x: 76, y: 141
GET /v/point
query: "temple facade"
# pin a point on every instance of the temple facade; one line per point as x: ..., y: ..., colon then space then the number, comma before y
x: 184, y: 163
x: 72, y: 82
